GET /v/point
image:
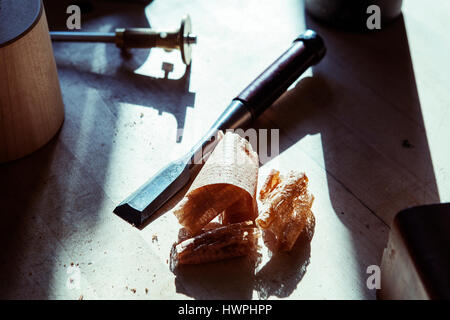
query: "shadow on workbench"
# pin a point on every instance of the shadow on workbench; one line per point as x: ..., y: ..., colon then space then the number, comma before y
x: 166, y: 95
x: 236, y: 279
x: 22, y: 233
x: 124, y: 12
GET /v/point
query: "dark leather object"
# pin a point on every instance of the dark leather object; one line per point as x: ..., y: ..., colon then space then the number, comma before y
x: 423, y: 233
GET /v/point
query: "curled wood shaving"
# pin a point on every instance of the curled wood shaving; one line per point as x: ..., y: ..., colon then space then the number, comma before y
x: 225, y: 186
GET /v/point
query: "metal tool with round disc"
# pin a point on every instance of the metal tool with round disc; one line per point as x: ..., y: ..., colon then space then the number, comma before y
x: 186, y: 39
x: 181, y: 39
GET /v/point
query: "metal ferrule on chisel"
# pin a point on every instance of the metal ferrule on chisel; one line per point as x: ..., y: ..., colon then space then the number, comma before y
x: 307, y: 50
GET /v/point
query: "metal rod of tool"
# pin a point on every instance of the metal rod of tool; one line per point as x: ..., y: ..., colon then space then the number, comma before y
x: 83, y: 36
x: 181, y: 39
x: 307, y: 50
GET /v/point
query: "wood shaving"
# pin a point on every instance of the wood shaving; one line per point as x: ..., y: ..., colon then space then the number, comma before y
x: 285, y: 209
x: 225, y: 186
x: 234, y: 240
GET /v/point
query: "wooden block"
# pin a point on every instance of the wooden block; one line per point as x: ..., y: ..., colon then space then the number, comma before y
x: 31, y: 106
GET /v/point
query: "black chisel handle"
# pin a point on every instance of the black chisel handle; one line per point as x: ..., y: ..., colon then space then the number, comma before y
x: 307, y: 50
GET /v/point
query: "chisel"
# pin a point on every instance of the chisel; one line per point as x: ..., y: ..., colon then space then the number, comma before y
x: 306, y: 50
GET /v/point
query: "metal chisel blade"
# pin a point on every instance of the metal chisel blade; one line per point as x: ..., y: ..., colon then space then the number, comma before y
x: 152, y: 195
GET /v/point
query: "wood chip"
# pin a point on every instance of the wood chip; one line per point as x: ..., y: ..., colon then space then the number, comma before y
x: 234, y: 240
x: 285, y: 209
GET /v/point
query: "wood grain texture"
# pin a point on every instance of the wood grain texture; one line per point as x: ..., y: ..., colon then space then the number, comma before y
x: 31, y: 106
x: 343, y: 123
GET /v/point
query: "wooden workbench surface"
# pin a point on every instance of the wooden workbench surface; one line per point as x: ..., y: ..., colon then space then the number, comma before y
x: 369, y: 126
